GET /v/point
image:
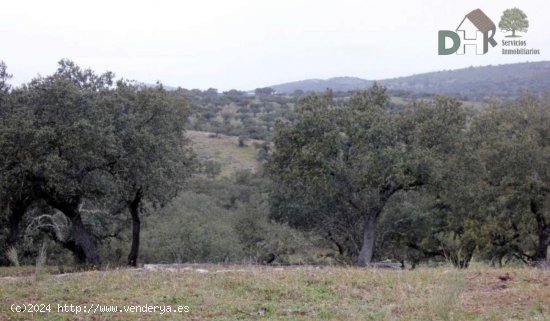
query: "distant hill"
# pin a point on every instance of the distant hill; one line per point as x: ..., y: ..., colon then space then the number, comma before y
x: 336, y: 84
x: 475, y: 83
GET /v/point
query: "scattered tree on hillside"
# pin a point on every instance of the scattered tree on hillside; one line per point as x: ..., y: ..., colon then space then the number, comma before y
x: 153, y: 155
x: 266, y: 91
x: 336, y: 169
x: 514, y: 147
x: 72, y: 138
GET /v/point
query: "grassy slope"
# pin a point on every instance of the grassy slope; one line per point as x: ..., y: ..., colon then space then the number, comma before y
x: 292, y: 293
x: 225, y: 150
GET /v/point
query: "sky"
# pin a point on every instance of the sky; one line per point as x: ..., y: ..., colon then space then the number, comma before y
x: 245, y: 44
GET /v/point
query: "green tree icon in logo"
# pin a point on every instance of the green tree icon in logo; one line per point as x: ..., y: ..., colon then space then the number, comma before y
x: 513, y: 20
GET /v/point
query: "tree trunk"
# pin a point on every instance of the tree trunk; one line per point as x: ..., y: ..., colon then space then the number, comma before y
x: 85, y: 245
x: 367, y: 249
x: 543, y: 231
x: 541, y: 253
x: 84, y: 248
x: 461, y: 261
x: 15, y: 218
x: 371, y: 217
x: 136, y: 228
x: 79, y: 255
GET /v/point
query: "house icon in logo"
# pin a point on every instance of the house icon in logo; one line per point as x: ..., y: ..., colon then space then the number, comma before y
x: 475, y: 31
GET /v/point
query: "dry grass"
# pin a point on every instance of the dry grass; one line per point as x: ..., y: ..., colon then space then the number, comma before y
x: 225, y: 150
x: 292, y: 293
x: 13, y: 256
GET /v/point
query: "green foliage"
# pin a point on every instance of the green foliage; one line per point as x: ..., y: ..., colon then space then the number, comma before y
x: 237, y: 114
x: 490, y: 197
x: 193, y: 228
x: 264, y: 150
x: 211, y: 168
x: 152, y: 152
x: 224, y: 220
x: 242, y: 141
x: 266, y: 91
x: 513, y: 20
x: 352, y: 159
x: 57, y: 144
x: 4, y: 77
x: 429, y: 181
x: 513, y: 147
x: 73, y: 138
x: 67, y: 132
x: 263, y: 239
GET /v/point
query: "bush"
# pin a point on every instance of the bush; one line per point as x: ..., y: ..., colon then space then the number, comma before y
x: 192, y: 229
x: 242, y: 141
x: 264, y: 241
x: 211, y: 168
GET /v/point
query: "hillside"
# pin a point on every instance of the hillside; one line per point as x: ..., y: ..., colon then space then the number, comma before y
x: 503, y: 81
x: 473, y: 83
x: 336, y: 84
x: 225, y: 151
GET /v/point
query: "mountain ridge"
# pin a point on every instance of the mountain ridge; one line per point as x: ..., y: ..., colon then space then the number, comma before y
x: 482, y: 82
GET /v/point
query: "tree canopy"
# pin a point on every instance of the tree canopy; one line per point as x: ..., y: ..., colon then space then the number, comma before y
x: 86, y: 161
x: 77, y: 136
x: 513, y: 20
x: 335, y: 169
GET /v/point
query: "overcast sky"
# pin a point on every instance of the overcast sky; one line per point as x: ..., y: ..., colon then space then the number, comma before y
x: 246, y: 44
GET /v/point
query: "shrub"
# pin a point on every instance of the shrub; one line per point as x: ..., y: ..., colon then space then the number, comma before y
x: 192, y: 229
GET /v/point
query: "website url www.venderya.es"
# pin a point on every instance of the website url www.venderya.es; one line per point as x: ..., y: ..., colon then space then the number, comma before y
x: 94, y: 308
